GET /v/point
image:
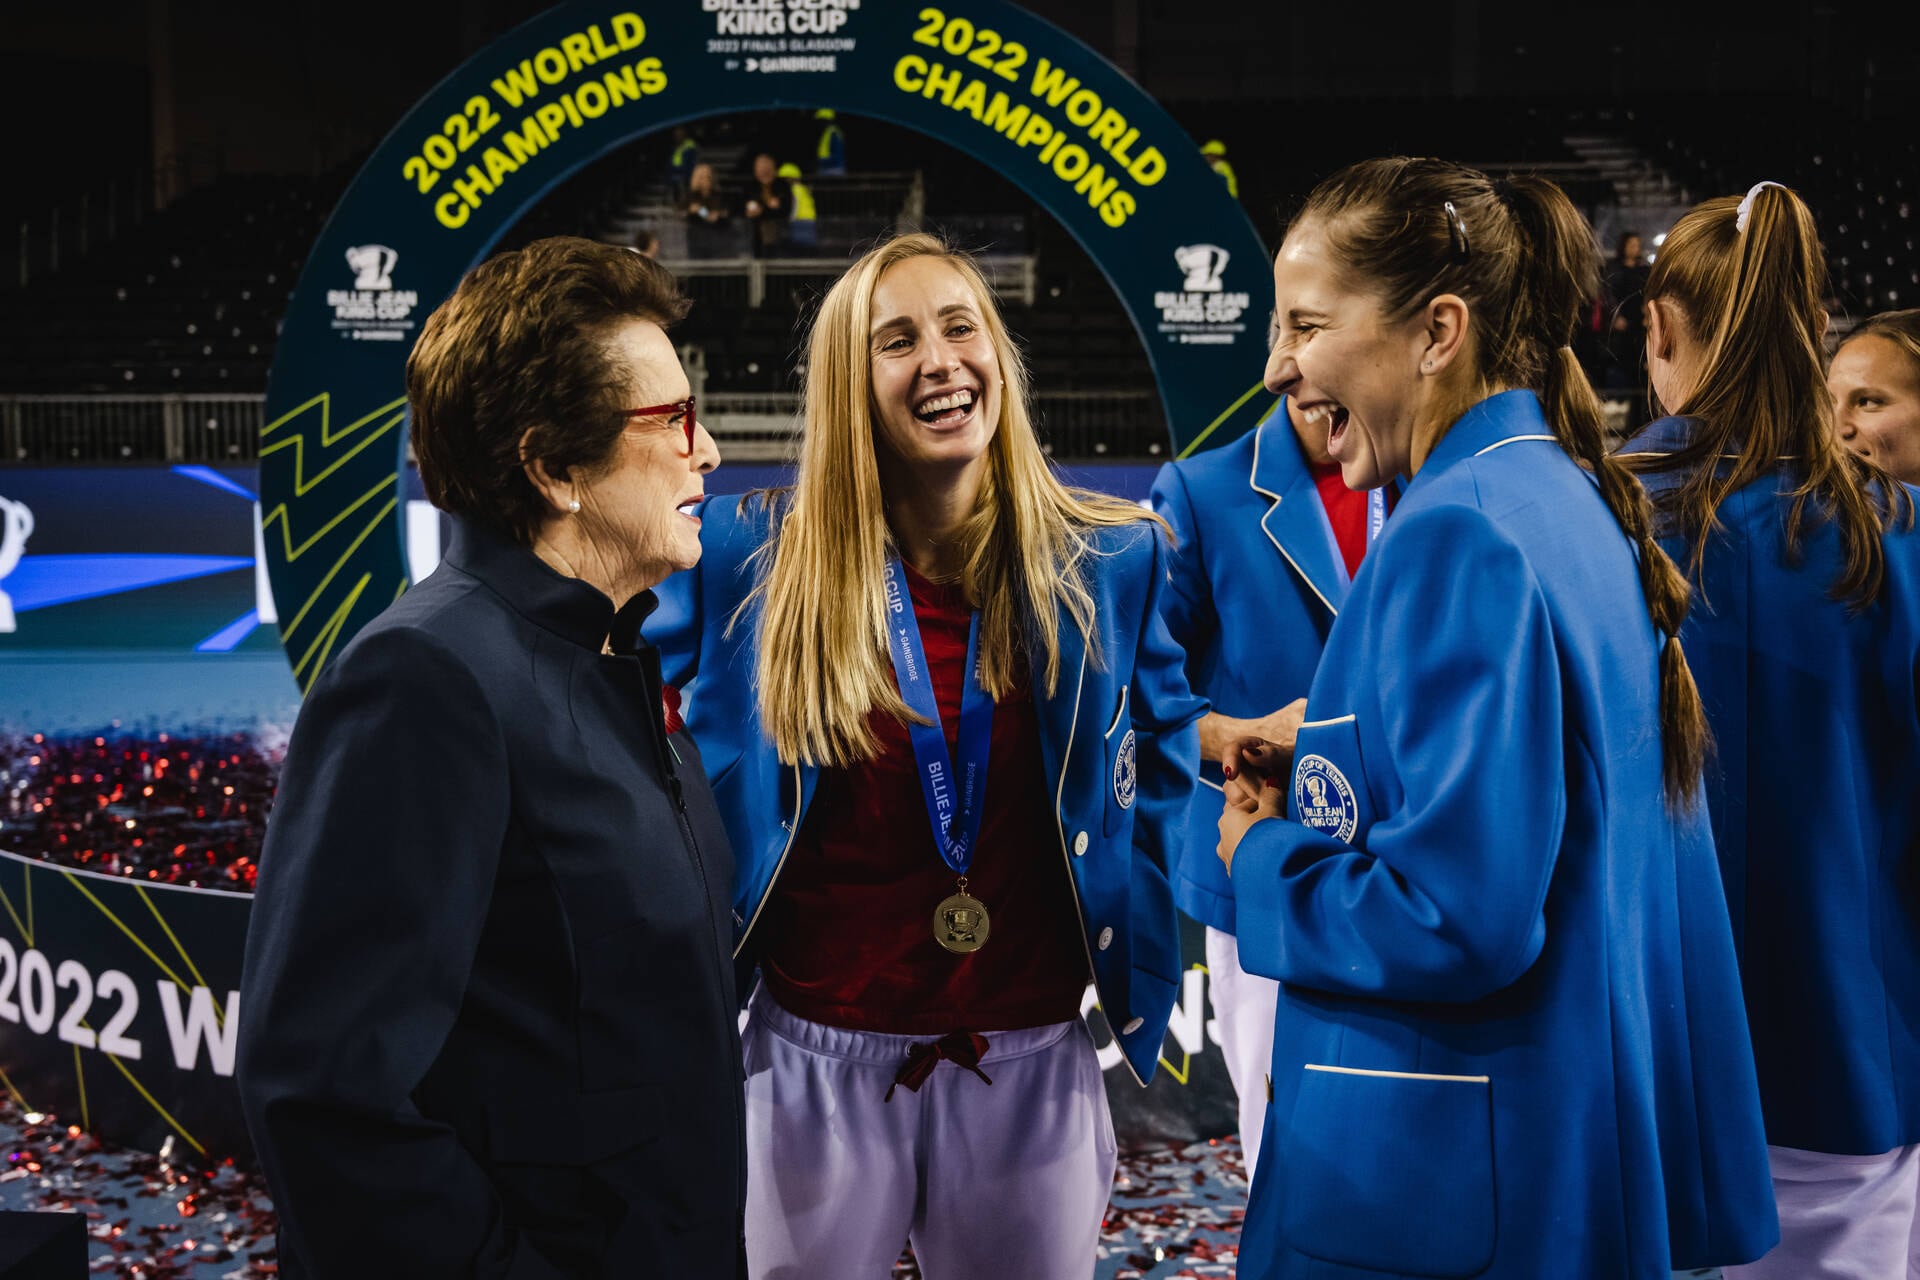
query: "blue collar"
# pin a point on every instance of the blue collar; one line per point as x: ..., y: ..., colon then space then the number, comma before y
x: 1662, y: 435
x: 1297, y: 520
x: 1494, y: 421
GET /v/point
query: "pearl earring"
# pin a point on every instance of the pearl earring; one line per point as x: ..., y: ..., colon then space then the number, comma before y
x: 573, y: 505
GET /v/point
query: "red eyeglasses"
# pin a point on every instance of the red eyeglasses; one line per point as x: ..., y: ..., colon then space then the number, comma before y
x: 677, y: 407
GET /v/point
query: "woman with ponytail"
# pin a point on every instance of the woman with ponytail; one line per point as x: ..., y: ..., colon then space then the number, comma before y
x: 1510, y: 1042
x: 1805, y: 635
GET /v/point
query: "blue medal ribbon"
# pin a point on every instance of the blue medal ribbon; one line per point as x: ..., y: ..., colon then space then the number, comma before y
x: 1376, y: 513
x: 954, y: 805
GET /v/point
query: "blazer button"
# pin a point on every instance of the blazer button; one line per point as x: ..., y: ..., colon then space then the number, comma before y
x: 1106, y: 938
x: 1133, y: 1025
x: 1079, y: 844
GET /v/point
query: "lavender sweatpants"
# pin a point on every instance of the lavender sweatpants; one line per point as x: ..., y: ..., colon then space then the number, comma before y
x: 1843, y: 1217
x: 1008, y: 1180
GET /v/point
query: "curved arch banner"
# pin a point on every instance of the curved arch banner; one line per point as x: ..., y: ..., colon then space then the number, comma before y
x: 585, y: 79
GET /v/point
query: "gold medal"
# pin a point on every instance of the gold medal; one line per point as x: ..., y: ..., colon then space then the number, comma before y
x: 960, y: 922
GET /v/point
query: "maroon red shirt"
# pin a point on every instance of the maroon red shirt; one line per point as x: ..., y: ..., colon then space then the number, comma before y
x: 1346, y: 511
x: 849, y: 924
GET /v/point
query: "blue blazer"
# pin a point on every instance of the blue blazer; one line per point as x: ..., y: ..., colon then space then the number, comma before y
x: 1510, y: 1041
x: 1118, y: 740
x: 1815, y: 798
x: 1253, y: 548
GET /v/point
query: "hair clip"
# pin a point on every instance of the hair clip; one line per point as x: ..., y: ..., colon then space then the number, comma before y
x: 1746, y: 205
x: 1459, y: 248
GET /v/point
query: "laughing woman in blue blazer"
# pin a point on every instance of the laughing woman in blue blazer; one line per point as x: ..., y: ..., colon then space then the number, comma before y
x: 1806, y: 638
x: 1510, y: 1039
x: 1267, y: 539
x: 929, y: 614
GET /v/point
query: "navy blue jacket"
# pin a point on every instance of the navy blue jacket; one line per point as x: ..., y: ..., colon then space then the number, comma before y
x: 1510, y: 1041
x: 1257, y: 578
x: 1815, y: 796
x: 489, y: 1023
x: 1117, y: 739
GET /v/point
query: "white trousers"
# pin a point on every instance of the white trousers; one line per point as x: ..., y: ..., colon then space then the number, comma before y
x: 1842, y: 1217
x: 1008, y: 1180
x: 1244, y: 1006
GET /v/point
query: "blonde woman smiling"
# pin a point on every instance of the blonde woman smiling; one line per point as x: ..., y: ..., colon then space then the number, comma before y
x: 953, y: 741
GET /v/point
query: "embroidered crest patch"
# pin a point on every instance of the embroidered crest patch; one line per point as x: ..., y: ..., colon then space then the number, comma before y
x: 1323, y: 799
x: 1123, y: 772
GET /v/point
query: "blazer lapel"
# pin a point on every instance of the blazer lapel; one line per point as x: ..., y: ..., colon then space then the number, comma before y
x: 1296, y: 523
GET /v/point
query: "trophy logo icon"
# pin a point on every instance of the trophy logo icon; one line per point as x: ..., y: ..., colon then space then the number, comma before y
x: 372, y: 266
x: 16, y: 526
x: 1204, y: 264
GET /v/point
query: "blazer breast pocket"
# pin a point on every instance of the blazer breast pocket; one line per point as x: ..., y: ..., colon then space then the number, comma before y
x: 1330, y: 780
x: 1391, y: 1171
x: 1122, y: 778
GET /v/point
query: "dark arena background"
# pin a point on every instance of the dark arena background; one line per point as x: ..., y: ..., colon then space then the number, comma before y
x: 223, y: 225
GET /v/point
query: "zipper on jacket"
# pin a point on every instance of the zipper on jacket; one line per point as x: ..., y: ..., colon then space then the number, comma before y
x: 793, y: 829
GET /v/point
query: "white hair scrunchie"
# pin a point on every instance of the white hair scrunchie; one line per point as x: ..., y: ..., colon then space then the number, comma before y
x: 1746, y: 205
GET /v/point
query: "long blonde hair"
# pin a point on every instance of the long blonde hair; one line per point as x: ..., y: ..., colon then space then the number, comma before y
x: 822, y: 662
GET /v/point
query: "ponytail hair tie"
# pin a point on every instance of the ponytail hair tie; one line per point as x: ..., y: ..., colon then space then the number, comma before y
x: 1746, y: 205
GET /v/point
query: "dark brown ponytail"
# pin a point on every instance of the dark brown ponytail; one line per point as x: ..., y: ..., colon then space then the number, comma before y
x: 1527, y: 269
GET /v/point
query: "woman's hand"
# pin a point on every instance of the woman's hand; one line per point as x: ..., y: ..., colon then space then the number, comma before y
x: 1251, y: 764
x: 1236, y: 816
x: 1218, y: 731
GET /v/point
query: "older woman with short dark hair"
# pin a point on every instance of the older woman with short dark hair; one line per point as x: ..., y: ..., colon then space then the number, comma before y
x: 490, y: 1011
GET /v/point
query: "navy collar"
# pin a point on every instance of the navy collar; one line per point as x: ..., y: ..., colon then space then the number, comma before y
x: 568, y: 607
x: 1497, y: 420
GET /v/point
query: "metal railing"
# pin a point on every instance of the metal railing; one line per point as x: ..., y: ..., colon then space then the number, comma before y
x: 760, y: 426
x: 749, y: 425
x: 745, y: 279
x: 59, y: 430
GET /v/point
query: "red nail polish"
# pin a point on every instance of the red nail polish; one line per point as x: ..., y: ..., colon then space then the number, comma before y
x: 1227, y: 769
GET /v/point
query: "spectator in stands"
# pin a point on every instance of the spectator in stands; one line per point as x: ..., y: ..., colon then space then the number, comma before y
x: 1216, y: 153
x: 769, y: 206
x: 929, y: 589
x: 830, y: 152
x: 491, y: 1013
x: 646, y: 242
x: 1875, y: 381
x: 803, y: 228
x: 707, y: 214
x: 1625, y: 302
x: 1510, y: 1041
x: 681, y: 160
x: 1806, y: 641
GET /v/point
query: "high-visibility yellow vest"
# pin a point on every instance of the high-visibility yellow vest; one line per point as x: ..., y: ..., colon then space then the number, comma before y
x: 827, y: 136
x: 803, y: 210
x: 1225, y: 170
